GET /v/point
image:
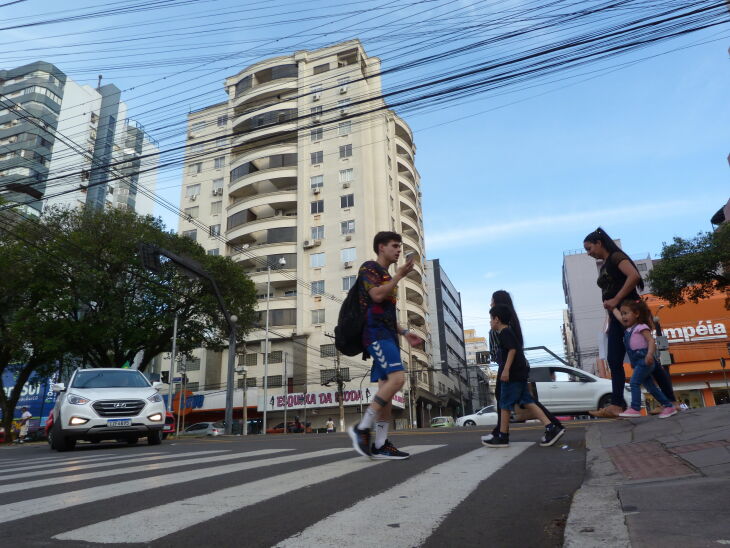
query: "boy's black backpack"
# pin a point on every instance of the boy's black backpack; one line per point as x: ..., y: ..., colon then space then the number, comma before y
x: 350, y: 323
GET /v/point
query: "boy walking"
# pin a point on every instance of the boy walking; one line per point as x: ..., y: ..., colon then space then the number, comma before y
x: 378, y: 295
x: 513, y: 377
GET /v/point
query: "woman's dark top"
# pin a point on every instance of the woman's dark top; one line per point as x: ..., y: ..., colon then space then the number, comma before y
x: 611, y: 279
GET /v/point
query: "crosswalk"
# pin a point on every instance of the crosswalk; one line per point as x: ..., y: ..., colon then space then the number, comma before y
x: 122, y: 497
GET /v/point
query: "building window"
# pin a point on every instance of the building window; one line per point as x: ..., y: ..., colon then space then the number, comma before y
x: 216, y: 207
x: 345, y: 151
x: 192, y: 386
x: 276, y: 356
x: 316, y: 260
x: 274, y: 381
x: 316, y: 134
x: 344, y: 128
x: 195, y: 168
x: 317, y: 181
x: 221, y: 142
x: 250, y: 360
x: 197, y: 126
x: 347, y: 227
x: 318, y: 287
x: 197, y: 148
x: 347, y: 175
x: 318, y: 232
x: 192, y: 212
x: 222, y: 120
x: 348, y: 200
x: 315, y: 111
x: 327, y: 351
x: 317, y: 206
x: 317, y: 157
x: 251, y: 383
x: 330, y: 375
x: 214, y: 251
x: 215, y: 230
x: 220, y: 162
x: 319, y: 69
x: 348, y: 282
x: 217, y: 186
x: 348, y: 255
x: 318, y: 316
x: 192, y: 234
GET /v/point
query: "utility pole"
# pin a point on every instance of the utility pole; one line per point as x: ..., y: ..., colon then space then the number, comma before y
x: 172, y: 364
x: 286, y: 394
x: 340, y: 385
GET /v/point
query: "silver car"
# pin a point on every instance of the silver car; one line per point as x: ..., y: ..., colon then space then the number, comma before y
x: 204, y: 429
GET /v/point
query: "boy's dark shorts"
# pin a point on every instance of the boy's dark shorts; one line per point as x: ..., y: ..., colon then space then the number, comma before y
x: 514, y: 393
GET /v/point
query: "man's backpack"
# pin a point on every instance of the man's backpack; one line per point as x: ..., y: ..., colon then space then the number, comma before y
x: 350, y: 323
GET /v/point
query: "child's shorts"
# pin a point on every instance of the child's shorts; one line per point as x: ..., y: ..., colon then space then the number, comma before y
x: 514, y: 393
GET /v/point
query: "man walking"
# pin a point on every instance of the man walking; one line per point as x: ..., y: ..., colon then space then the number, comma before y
x: 24, y: 424
x: 380, y: 338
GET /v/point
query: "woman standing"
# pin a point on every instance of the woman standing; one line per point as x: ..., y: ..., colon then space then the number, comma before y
x: 501, y: 297
x: 618, y: 279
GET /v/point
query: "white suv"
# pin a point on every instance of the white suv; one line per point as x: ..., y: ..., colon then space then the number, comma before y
x: 101, y: 404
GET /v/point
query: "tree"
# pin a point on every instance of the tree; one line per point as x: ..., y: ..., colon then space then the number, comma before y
x: 87, y: 294
x: 693, y: 269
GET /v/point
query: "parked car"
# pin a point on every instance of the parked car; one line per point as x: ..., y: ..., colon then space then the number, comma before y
x: 486, y: 416
x: 292, y: 428
x: 442, y: 422
x: 169, y: 427
x: 2, y: 434
x: 99, y: 404
x: 571, y: 391
x: 204, y: 429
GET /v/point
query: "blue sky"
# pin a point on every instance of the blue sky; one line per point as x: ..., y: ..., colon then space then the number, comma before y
x: 509, y: 181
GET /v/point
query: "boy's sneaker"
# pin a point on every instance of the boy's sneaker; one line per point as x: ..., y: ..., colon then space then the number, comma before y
x: 497, y: 442
x: 552, y: 434
x: 630, y: 413
x: 668, y: 412
x: 360, y: 440
x: 388, y: 452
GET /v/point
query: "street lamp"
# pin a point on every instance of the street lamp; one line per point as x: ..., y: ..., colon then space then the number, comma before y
x: 241, y: 370
x: 461, y: 394
x: 282, y: 264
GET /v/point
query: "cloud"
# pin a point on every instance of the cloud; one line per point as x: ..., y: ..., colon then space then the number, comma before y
x: 460, y: 237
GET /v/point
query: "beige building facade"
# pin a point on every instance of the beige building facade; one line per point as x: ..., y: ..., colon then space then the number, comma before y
x: 294, y: 175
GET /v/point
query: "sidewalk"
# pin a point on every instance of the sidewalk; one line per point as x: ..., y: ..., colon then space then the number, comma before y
x: 652, y: 482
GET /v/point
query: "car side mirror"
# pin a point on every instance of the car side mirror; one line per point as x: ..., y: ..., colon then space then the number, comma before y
x: 58, y: 387
x: 157, y: 385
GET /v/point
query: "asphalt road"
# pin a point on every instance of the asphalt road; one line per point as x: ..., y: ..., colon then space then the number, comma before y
x: 294, y: 490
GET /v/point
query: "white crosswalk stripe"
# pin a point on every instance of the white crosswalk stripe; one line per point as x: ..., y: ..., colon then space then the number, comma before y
x: 416, y: 516
x: 42, y: 505
x: 179, y: 461
x: 45, y: 463
x: 88, y: 466
x: 144, y: 526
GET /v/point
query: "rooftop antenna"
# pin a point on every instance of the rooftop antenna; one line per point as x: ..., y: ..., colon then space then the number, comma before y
x: 98, y: 85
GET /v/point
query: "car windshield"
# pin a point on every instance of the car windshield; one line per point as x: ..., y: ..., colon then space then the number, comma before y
x: 438, y: 420
x: 110, y: 379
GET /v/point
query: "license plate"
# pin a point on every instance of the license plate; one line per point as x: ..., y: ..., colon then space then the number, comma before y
x: 119, y: 422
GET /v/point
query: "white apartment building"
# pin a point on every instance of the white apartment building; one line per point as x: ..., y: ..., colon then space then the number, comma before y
x: 584, y: 321
x: 293, y: 174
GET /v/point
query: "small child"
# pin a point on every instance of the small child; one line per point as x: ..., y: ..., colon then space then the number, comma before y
x: 640, y: 346
x: 513, y: 379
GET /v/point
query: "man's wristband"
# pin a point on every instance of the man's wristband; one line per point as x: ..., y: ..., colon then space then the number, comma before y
x: 405, y: 332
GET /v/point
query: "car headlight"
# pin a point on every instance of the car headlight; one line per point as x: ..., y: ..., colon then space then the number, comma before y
x: 77, y: 400
x: 156, y: 398
x: 155, y: 417
x: 75, y: 421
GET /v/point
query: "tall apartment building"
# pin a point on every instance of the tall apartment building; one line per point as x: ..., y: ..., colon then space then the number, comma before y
x: 295, y: 176
x: 477, y: 360
x: 448, y: 351
x: 57, y: 139
x: 585, y: 319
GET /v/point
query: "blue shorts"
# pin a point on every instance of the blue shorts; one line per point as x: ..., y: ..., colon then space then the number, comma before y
x: 386, y: 359
x: 514, y: 393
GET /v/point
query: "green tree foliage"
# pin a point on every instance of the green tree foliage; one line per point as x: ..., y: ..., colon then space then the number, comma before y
x: 72, y: 283
x: 693, y: 269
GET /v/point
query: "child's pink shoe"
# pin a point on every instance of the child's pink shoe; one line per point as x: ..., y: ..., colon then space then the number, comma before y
x: 630, y: 413
x: 668, y: 412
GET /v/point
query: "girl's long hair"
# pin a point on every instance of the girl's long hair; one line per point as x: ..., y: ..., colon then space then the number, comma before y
x: 599, y: 235
x: 641, y: 309
x: 502, y: 297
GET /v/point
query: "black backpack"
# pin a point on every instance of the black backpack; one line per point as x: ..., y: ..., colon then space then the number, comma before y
x: 350, y: 323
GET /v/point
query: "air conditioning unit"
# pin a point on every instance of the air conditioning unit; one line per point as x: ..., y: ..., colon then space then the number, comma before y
x: 316, y: 190
x: 316, y: 118
x: 345, y: 185
x: 193, y: 197
x: 316, y: 96
x: 348, y: 264
x: 308, y: 244
x: 343, y: 89
x: 348, y: 237
x: 217, y: 192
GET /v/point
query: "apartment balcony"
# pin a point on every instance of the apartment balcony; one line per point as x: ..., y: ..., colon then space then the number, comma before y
x: 409, y: 205
x: 270, y: 77
x: 265, y: 205
x: 416, y: 314
x: 406, y: 185
x: 238, y: 234
x: 407, y: 171
x: 275, y: 121
x: 254, y: 255
x: 403, y: 134
x: 269, y: 93
x: 263, y: 183
x: 259, y: 275
x: 409, y: 241
x: 414, y: 291
x: 404, y: 152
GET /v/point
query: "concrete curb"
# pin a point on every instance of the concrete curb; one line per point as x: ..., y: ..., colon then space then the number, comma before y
x: 596, y: 518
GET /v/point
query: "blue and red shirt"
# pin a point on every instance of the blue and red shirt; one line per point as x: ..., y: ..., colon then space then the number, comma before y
x: 380, y: 319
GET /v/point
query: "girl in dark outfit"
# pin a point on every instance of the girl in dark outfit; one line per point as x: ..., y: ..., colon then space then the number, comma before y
x: 502, y: 297
x: 618, y: 279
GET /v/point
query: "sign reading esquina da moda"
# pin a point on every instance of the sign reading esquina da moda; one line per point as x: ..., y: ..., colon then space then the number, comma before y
x: 322, y: 399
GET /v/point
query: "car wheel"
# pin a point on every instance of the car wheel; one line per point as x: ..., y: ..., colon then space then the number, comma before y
x: 132, y: 441
x: 154, y: 438
x: 50, y: 437
x: 469, y: 423
x: 605, y: 401
x: 61, y: 442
